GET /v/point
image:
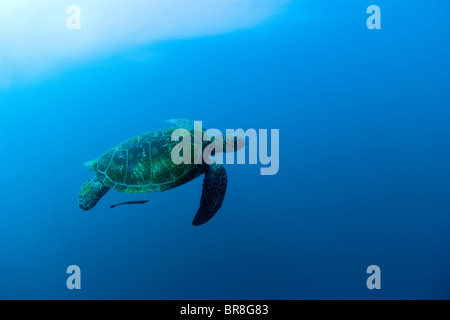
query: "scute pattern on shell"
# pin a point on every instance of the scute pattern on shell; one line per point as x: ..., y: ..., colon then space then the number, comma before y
x: 144, y: 164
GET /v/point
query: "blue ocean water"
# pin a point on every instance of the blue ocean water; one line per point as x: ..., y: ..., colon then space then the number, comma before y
x: 364, y: 163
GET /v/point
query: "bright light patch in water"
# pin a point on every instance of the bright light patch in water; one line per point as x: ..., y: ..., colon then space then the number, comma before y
x: 35, y: 37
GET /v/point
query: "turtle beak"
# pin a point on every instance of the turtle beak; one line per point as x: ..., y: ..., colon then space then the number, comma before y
x: 239, y: 143
x: 234, y: 143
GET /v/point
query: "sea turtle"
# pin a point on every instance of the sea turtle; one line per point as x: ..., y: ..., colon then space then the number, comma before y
x: 144, y: 164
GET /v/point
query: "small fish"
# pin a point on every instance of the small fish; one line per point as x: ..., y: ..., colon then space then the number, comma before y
x: 129, y: 202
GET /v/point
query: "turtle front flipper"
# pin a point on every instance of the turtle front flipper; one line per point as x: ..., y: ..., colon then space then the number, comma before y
x: 90, y: 194
x: 214, y: 187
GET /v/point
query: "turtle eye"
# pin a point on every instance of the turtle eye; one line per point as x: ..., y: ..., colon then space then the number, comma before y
x: 239, y: 143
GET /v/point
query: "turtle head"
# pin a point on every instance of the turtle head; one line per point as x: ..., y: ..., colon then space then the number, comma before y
x: 233, y: 143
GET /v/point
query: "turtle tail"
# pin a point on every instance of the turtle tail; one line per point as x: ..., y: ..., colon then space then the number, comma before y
x: 90, y: 194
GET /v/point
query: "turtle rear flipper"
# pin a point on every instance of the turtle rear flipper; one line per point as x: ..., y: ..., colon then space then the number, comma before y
x: 214, y: 187
x: 90, y: 194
